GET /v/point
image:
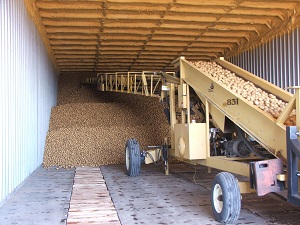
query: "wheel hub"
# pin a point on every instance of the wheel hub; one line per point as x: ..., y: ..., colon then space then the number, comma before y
x: 127, y: 159
x: 218, y: 198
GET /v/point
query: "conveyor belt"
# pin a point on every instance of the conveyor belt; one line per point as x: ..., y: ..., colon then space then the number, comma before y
x: 90, y: 201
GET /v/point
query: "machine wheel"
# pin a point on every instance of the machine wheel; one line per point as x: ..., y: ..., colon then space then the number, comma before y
x: 240, y: 148
x: 225, y: 198
x: 132, y: 158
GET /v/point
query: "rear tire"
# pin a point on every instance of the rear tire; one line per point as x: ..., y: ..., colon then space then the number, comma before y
x: 225, y: 198
x: 132, y: 158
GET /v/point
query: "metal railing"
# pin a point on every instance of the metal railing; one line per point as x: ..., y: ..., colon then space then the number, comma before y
x: 145, y: 83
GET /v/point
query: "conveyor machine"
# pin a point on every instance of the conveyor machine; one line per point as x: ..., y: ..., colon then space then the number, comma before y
x: 229, y: 112
x: 235, y: 135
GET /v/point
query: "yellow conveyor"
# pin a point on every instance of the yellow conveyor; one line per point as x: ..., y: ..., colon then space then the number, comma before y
x: 268, y: 131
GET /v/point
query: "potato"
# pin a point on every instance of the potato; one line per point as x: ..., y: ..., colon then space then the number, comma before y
x: 246, y: 89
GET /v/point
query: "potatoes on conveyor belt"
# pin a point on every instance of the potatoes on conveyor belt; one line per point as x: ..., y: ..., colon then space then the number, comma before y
x: 258, y: 97
x: 90, y: 127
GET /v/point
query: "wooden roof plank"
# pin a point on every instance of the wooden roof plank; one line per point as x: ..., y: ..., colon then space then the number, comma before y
x: 72, y: 30
x: 73, y: 42
x: 71, y: 23
x: 71, y: 14
x: 142, y: 32
x: 267, y: 4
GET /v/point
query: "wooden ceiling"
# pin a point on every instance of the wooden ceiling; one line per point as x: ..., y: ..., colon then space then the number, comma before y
x: 117, y: 35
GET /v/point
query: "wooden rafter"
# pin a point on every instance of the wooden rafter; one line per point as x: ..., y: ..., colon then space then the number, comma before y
x: 102, y: 34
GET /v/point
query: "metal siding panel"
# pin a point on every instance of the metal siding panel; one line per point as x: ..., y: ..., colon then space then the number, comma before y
x: 46, y: 86
x: 267, y: 64
x: 297, y: 58
x: 253, y: 64
x: 2, y: 96
x: 286, y: 62
x: 7, y: 147
x: 263, y: 57
x: 283, y: 63
x: 290, y: 59
x: 271, y: 76
x: 276, y: 61
x: 250, y: 62
x: 246, y: 60
x: 28, y: 91
x: 255, y: 61
x: 259, y: 58
x: 243, y: 55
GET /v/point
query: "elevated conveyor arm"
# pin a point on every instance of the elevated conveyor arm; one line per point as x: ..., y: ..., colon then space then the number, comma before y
x: 143, y: 83
x: 223, y: 102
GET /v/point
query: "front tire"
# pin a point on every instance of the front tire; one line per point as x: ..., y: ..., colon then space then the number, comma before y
x: 225, y: 198
x: 132, y: 158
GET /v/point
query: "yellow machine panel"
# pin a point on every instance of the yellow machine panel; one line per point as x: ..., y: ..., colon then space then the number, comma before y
x: 190, y: 140
x: 155, y: 154
x: 182, y: 96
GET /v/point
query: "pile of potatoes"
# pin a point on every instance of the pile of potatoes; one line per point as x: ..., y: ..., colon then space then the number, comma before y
x: 258, y: 97
x: 90, y: 127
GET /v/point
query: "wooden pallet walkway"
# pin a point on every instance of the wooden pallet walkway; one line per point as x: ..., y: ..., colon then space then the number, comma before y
x: 90, y: 201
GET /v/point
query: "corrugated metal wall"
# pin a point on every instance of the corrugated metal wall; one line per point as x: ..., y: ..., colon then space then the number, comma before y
x: 28, y: 91
x: 277, y: 61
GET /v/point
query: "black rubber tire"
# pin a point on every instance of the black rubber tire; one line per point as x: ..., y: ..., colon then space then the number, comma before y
x: 225, y: 198
x: 240, y: 148
x: 132, y: 158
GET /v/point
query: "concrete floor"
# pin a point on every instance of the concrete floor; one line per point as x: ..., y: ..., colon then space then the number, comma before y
x: 42, y: 200
x: 152, y: 198
x: 184, y: 198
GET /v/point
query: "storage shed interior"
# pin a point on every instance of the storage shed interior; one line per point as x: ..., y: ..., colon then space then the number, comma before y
x: 41, y: 39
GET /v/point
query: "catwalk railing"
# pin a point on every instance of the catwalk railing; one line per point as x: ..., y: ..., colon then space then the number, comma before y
x: 145, y: 83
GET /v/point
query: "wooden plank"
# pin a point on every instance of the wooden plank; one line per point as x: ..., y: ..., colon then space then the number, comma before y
x: 72, y: 23
x: 90, y: 201
x: 73, y: 14
x: 68, y: 5
x: 79, y: 30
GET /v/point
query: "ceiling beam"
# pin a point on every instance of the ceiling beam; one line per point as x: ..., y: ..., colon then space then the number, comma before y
x: 68, y: 5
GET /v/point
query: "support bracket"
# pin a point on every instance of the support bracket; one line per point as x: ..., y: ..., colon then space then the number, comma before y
x: 263, y: 176
x: 293, y: 156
